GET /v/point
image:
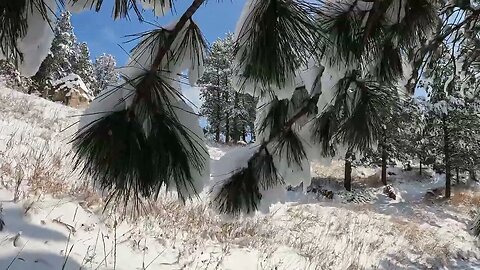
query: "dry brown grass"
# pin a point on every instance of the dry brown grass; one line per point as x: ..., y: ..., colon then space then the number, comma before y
x: 87, y: 197
x: 373, y: 180
x: 45, y: 174
x: 411, y: 230
x: 463, y: 197
x: 423, y: 240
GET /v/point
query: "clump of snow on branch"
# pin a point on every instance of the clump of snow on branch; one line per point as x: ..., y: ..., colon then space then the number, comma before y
x: 248, y: 85
x: 292, y: 173
x: 396, y: 12
x: 309, y: 77
x: 190, y: 59
x: 229, y: 164
x: 35, y: 45
x: 160, y: 8
x: 187, y: 117
x: 329, y: 80
x: 232, y: 162
x: 121, y: 95
x: 144, y: 56
x: 113, y: 99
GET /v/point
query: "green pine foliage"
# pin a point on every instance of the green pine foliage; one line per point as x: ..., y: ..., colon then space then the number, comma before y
x: 230, y: 114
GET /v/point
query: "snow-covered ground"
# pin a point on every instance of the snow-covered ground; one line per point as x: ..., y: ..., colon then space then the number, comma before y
x: 52, y: 221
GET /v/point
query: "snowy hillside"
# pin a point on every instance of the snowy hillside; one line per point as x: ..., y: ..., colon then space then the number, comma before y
x: 51, y: 221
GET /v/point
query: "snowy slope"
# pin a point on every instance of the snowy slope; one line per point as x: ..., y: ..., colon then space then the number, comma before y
x: 53, y: 222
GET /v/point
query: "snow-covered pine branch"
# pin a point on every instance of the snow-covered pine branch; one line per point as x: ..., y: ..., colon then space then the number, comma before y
x: 141, y: 136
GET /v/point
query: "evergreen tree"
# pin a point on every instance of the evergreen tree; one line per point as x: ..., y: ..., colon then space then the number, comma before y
x: 229, y: 112
x: 63, y: 51
x: 66, y: 56
x: 410, y: 140
x: 213, y: 109
x: 453, y: 115
x: 83, y: 67
x: 105, y: 73
x: 58, y: 62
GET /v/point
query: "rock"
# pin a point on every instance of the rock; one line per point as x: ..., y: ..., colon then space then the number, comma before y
x: 390, y: 192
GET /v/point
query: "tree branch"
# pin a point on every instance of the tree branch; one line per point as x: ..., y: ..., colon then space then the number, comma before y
x: 431, y: 46
x: 162, y: 51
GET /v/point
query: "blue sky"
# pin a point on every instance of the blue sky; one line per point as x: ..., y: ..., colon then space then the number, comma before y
x: 103, y: 34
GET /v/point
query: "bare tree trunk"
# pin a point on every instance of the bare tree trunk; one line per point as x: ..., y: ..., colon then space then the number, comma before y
x: 227, y: 118
x: 227, y: 131
x: 218, y: 95
x: 384, y: 166
x: 420, y: 170
x: 235, y: 131
x: 446, y: 151
x: 384, y: 159
x: 227, y: 121
x: 45, y: 93
x: 472, y: 174
x: 348, y: 171
x: 217, y: 133
x: 457, y: 173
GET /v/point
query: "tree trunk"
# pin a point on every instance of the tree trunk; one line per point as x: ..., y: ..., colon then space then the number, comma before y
x: 457, y: 173
x: 384, y: 158
x: 446, y: 152
x: 472, y: 175
x: 218, y: 95
x: 45, y: 93
x: 227, y: 120
x: 420, y: 170
x: 217, y: 133
x: 244, y: 135
x: 384, y: 166
x: 348, y: 171
x: 235, y: 131
x: 227, y: 130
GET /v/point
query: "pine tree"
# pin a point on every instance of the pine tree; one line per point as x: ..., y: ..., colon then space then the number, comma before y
x: 66, y: 57
x: 63, y: 51
x: 453, y: 116
x: 411, y: 140
x: 228, y: 112
x: 83, y: 67
x: 105, y: 73
x: 213, y: 109
x: 58, y: 62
